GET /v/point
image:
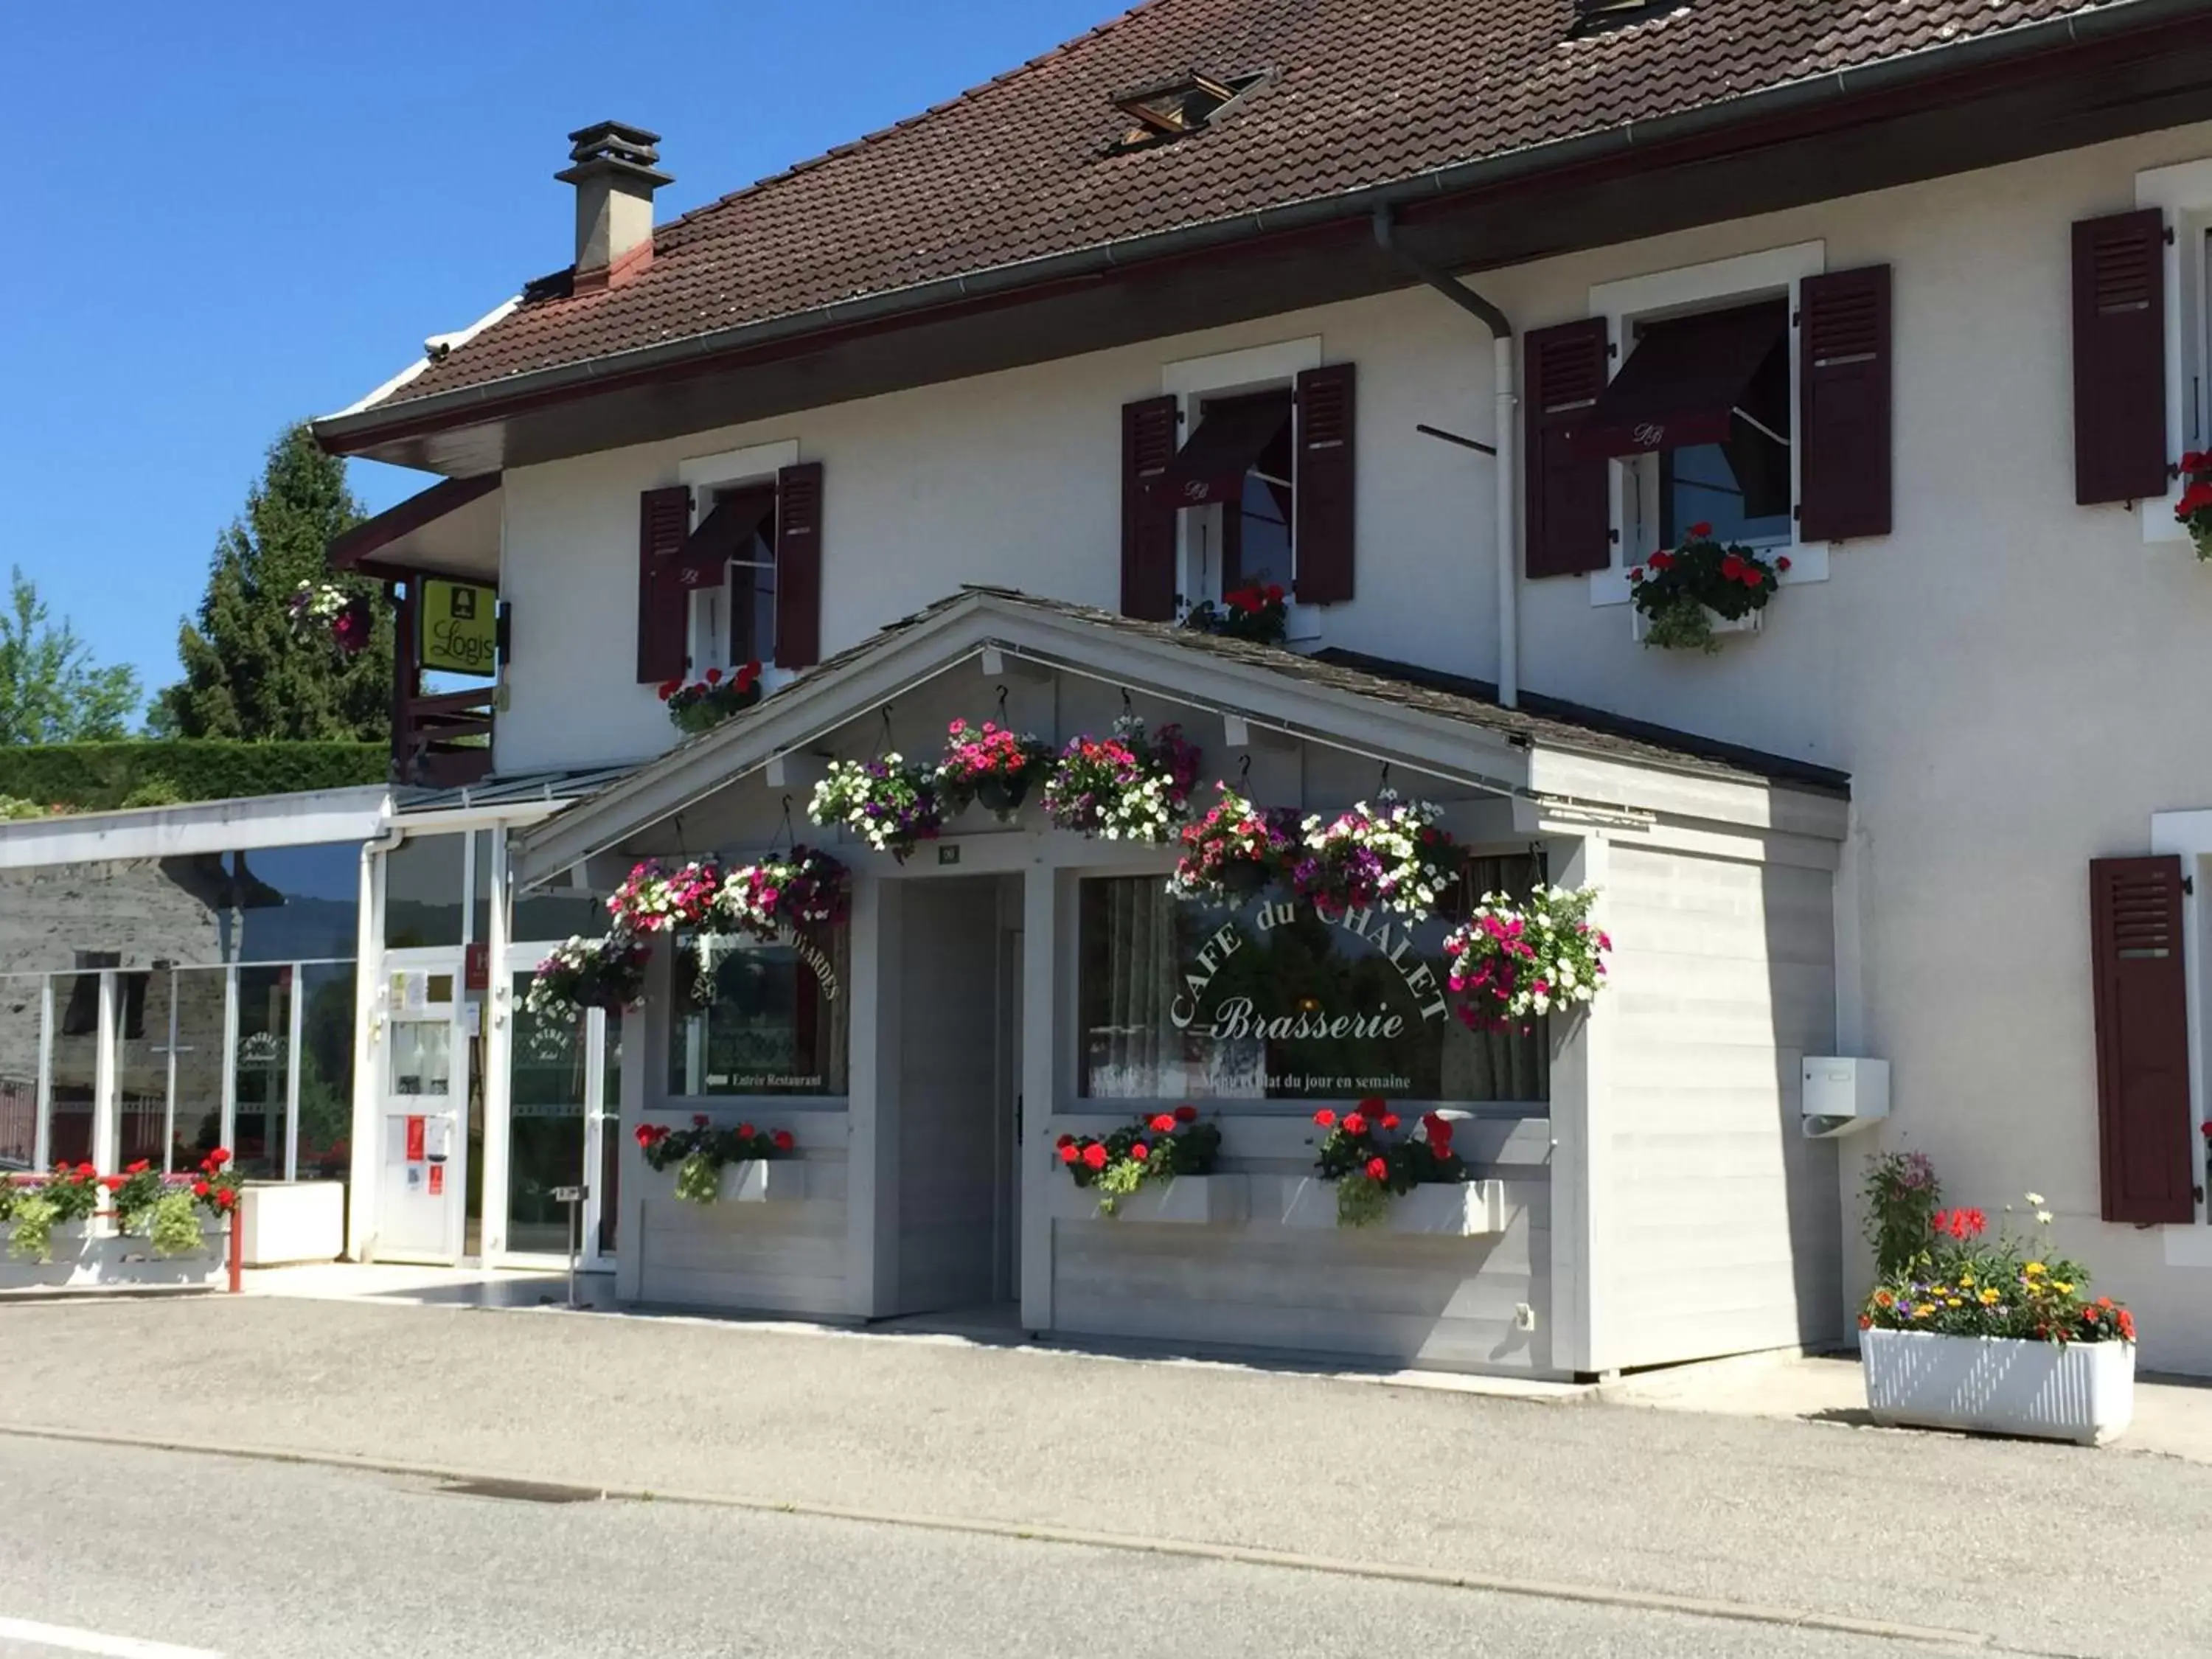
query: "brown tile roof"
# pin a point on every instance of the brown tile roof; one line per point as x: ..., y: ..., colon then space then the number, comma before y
x: 1366, y: 92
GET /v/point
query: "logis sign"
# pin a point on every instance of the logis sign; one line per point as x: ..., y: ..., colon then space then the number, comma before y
x: 1239, y: 1016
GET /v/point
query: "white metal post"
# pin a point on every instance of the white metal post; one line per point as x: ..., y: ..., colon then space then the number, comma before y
x: 498, y: 1052
x: 104, y: 1103
x: 296, y: 1030
x: 42, y: 1138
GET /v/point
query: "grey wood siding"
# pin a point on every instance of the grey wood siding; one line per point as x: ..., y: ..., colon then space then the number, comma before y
x: 1442, y: 1304
x: 1723, y: 1222
x: 769, y: 1258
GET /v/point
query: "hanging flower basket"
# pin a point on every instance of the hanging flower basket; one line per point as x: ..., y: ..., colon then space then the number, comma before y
x: 1513, y: 961
x: 1156, y: 1148
x: 805, y: 888
x: 1372, y: 1159
x: 702, y: 704
x: 1133, y: 786
x: 890, y: 805
x: 322, y: 611
x: 1260, y: 616
x: 1686, y: 596
x: 2194, y: 509
x: 1235, y: 851
x: 990, y: 767
x: 1389, y: 856
x: 590, y: 973
x: 656, y: 898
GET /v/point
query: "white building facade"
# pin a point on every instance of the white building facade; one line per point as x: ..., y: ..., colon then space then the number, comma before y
x: 2005, y: 677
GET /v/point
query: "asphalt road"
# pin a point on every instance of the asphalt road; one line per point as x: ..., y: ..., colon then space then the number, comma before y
x: 2034, y: 1548
x: 245, y: 1559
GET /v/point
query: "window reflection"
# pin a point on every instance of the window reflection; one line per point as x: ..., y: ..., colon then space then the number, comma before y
x: 759, y: 1019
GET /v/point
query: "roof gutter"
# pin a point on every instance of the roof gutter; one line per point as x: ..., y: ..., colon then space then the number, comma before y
x: 356, y: 428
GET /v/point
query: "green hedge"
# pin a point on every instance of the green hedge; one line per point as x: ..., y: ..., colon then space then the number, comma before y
x: 92, y: 777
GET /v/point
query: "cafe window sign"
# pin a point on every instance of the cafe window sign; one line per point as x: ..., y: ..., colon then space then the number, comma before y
x: 460, y: 628
x: 1275, y: 1000
x: 759, y: 1016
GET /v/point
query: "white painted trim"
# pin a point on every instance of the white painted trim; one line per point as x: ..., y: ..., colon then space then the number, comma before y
x: 368, y: 1054
x: 498, y: 1092
x: 224, y: 826
x: 735, y: 466
x: 2184, y: 193
x: 1583, y: 1152
x: 2188, y: 835
x: 1234, y: 371
x: 1042, y: 908
x: 1698, y: 288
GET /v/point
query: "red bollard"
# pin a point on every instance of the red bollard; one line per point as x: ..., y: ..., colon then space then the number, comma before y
x: 237, y: 1252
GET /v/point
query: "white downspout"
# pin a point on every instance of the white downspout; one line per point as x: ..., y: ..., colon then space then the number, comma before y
x: 1506, y: 538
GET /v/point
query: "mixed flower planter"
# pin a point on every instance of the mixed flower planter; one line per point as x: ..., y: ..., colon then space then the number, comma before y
x: 2079, y: 1391
x: 1193, y: 1200
x: 1991, y: 1335
x: 76, y: 1230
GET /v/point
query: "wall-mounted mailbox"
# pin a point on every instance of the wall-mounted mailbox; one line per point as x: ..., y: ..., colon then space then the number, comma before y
x: 1843, y: 1093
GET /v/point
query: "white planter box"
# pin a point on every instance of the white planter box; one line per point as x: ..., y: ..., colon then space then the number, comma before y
x: 764, y: 1180
x: 299, y: 1221
x: 1204, y: 1201
x: 1752, y: 621
x: 1466, y: 1209
x: 86, y: 1259
x: 2079, y: 1391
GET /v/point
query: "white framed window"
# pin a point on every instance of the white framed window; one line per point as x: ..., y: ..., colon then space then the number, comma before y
x: 732, y: 621
x: 2183, y: 194
x: 1222, y: 545
x: 1747, y: 484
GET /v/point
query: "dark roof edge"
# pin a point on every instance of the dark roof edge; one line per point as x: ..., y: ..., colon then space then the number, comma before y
x: 1691, y: 746
x: 339, y: 432
x: 350, y: 548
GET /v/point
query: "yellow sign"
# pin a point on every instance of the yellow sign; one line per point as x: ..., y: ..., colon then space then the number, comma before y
x: 460, y: 628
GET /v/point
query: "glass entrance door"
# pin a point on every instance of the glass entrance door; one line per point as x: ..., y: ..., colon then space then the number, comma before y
x: 423, y: 1161
x: 548, y: 1094
x: 563, y: 1091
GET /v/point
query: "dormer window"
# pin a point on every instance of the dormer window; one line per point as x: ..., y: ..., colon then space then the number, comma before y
x: 1597, y: 16
x: 1170, y: 110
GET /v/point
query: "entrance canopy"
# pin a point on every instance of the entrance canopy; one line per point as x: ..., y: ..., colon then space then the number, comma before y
x: 1559, y: 768
x: 1233, y: 434
x: 450, y: 529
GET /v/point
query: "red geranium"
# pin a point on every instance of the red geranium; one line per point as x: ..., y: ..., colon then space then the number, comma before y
x: 784, y: 1140
x: 1094, y: 1155
x: 1186, y: 1114
x: 1154, y: 1147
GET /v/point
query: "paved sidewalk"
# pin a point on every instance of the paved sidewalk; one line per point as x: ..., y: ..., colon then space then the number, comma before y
x: 2174, y: 1415
x: 2034, y: 1546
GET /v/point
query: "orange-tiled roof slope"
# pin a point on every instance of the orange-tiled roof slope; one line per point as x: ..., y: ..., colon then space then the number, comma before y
x: 1366, y: 92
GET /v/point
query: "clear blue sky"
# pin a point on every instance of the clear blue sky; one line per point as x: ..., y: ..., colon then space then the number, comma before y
x: 230, y: 214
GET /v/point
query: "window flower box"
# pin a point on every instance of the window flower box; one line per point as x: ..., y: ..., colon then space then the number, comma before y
x: 2079, y: 1391
x: 1456, y: 1209
x: 763, y: 1181
x: 1200, y: 1200
x: 89, y: 1255
x: 1752, y: 621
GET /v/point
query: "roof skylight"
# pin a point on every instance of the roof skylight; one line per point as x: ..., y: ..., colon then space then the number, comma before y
x: 1168, y: 110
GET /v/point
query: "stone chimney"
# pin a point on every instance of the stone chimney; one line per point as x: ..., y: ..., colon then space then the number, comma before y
x: 615, y: 179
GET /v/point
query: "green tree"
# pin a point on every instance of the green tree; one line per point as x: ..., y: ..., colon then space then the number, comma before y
x: 246, y: 674
x: 50, y: 689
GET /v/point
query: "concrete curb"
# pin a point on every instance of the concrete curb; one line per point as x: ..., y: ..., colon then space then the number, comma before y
x: 1239, y: 1554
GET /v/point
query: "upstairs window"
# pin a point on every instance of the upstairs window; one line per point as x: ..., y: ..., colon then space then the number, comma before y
x: 1233, y: 481
x: 729, y: 568
x: 1700, y: 415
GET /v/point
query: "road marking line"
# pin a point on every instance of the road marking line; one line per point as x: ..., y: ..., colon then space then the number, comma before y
x: 71, y: 1640
x: 1694, y: 1606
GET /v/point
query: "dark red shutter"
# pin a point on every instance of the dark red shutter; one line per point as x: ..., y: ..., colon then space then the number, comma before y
x: 2142, y: 1039
x: 1323, y: 487
x: 1843, y: 467
x: 2119, y: 358
x: 798, y: 566
x: 1570, y: 509
x: 664, y: 520
x: 1148, y: 517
